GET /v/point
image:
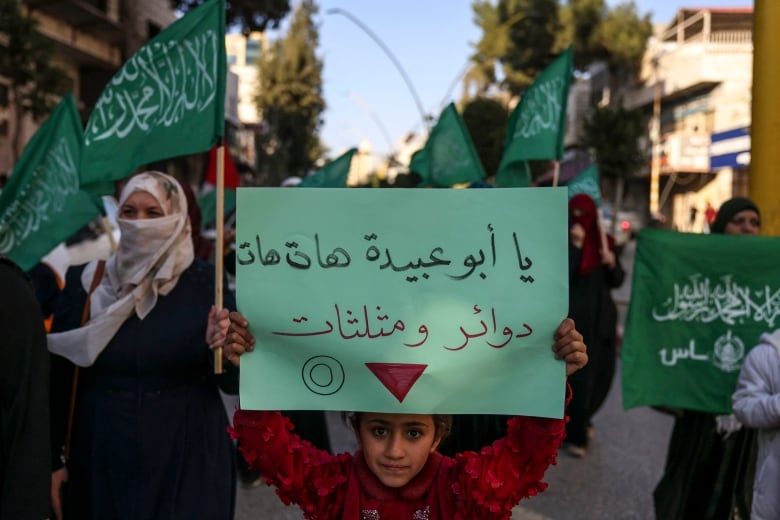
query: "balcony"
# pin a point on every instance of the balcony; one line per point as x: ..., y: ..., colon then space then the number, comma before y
x: 96, y: 17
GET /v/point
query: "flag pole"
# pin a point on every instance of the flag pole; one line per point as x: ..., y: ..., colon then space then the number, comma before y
x: 602, y: 231
x: 556, y: 173
x: 219, y: 249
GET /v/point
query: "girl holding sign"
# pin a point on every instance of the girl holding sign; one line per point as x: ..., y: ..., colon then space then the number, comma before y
x: 397, y: 472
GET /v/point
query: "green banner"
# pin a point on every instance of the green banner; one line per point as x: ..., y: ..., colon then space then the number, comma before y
x: 167, y: 100
x: 332, y: 175
x: 698, y: 304
x: 537, y: 125
x: 586, y: 182
x: 42, y: 204
x: 449, y: 156
x: 447, y: 303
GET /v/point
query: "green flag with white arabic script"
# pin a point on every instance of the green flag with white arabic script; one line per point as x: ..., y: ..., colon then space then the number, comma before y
x: 167, y: 100
x: 42, y: 204
x: 698, y: 304
x: 586, y: 182
x: 332, y: 175
x: 449, y: 156
x: 537, y: 125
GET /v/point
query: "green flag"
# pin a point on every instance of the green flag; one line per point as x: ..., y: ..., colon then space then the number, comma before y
x: 586, y: 182
x: 167, y: 100
x: 42, y: 204
x: 537, y: 125
x: 449, y: 156
x: 208, y: 205
x: 515, y: 175
x: 332, y: 175
x: 698, y: 305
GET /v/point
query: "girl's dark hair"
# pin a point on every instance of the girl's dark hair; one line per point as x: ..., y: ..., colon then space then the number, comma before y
x: 441, y: 422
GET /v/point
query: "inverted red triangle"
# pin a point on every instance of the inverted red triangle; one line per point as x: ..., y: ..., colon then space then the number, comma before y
x: 399, y: 378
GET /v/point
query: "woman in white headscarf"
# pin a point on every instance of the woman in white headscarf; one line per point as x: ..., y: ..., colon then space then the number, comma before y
x: 148, y: 435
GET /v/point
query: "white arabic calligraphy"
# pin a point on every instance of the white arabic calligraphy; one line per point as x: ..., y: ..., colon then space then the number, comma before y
x: 682, y: 353
x: 705, y: 300
x: 544, y: 110
x: 55, y: 178
x: 157, y: 87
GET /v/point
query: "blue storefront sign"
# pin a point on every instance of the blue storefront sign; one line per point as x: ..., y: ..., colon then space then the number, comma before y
x: 730, y: 149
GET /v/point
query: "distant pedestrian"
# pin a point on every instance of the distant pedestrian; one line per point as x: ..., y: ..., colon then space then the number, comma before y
x: 709, y: 216
x: 693, y: 212
x: 594, y: 270
x: 757, y: 405
x: 148, y: 437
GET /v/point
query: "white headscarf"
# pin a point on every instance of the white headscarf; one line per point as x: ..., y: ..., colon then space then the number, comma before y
x: 151, y: 255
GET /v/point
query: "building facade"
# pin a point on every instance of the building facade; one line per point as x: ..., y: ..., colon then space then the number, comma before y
x: 697, y: 77
x: 92, y: 39
x: 243, y: 54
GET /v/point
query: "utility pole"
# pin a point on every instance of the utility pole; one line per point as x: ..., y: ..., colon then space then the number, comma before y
x: 765, y: 127
x: 655, y: 138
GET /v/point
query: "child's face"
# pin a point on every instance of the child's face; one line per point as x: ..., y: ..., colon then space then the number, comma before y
x: 396, y: 446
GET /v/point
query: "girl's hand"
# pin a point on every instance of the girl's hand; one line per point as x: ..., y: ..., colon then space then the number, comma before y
x: 217, y: 327
x: 569, y: 346
x: 238, y: 340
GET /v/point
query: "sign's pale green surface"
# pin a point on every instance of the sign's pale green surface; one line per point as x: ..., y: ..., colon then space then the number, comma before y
x: 352, y: 293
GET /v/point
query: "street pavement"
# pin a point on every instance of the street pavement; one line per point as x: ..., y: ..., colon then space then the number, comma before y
x: 615, y: 480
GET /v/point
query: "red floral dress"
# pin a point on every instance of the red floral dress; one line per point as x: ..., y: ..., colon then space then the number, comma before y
x: 472, y: 486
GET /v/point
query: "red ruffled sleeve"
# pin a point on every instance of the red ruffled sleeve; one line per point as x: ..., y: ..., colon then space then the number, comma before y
x: 301, y: 473
x: 490, y: 483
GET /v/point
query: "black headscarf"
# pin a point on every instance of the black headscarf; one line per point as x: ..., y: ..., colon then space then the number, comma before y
x: 730, y: 208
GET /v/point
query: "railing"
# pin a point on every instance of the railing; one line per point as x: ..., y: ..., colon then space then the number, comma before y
x: 732, y: 37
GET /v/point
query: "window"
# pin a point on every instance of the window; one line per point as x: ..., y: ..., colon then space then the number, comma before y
x: 252, y: 51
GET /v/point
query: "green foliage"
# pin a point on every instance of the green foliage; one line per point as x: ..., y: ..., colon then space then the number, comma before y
x: 583, y: 19
x: 486, y: 120
x: 617, y: 36
x: 612, y: 134
x: 624, y: 34
x: 36, y: 85
x: 524, y: 36
x: 488, y: 50
x: 290, y: 99
x: 250, y: 15
x: 520, y: 35
x: 532, y: 26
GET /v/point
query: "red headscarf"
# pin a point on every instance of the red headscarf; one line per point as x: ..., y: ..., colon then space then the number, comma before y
x: 588, y: 219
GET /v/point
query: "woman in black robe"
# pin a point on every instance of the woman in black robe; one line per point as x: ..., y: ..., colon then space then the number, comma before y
x: 148, y: 437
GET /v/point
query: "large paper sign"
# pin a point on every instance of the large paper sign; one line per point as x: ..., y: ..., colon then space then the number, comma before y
x: 391, y: 300
x: 698, y: 305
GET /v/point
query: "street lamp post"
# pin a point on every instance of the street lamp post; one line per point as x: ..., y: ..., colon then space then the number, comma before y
x: 386, y: 49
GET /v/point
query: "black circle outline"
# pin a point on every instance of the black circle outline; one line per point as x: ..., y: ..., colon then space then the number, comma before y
x: 319, y: 358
